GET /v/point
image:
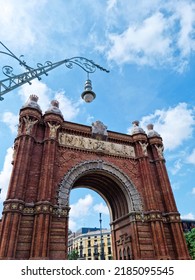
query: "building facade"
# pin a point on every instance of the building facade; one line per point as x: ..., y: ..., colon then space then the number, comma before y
x: 91, y: 244
x: 188, y: 225
x: 52, y: 157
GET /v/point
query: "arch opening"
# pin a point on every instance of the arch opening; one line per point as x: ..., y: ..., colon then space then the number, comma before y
x: 108, y: 181
x: 108, y: 189
x: 114, y: 186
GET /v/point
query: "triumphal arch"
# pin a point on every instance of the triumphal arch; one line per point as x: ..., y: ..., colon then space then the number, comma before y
x: 52, y: 157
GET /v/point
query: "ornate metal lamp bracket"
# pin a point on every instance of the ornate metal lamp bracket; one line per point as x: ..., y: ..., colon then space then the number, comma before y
x: 14, y: 81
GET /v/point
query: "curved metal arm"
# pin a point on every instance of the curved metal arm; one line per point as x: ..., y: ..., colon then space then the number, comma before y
x: 13, y: 81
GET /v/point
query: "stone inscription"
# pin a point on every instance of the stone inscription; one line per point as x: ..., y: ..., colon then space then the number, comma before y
x: 90, y: 144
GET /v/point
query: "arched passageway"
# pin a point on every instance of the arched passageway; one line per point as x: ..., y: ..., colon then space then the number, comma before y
x: 113, y: 186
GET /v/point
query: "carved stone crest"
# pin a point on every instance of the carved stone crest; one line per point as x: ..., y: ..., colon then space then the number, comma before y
x: 99, y: 130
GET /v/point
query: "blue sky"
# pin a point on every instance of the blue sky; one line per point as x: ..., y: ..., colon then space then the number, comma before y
x: 149, y: 48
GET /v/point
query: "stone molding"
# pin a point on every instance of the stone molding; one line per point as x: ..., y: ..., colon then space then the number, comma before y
x: 99, y: 165
x: 43, y: 207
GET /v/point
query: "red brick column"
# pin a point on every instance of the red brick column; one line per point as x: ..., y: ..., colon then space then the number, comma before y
x: 151, y: 203
x: 44, y: 207
x: 18, y: 183
x: 172, y: 216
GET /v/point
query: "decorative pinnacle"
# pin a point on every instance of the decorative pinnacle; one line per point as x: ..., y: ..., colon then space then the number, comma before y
x: 151, y: 131
x: 136, y: 129
x: 33, y: 97
x: 55, y: 103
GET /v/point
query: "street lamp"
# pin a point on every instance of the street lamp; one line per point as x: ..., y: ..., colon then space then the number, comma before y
x: 13, y: 81
x: 101, y: 241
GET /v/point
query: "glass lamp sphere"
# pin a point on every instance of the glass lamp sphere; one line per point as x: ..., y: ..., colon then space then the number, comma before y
x: 88, y: 95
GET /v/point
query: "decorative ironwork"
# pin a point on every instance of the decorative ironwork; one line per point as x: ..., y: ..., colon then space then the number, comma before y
x: 13, y: 81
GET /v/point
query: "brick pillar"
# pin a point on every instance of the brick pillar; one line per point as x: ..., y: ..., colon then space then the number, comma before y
x: 14, y: 204
x: 44, y: 207
x: 151, y: 202
x: 171, y: 215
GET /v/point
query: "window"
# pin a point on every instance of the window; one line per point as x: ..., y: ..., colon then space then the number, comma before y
x: 120, y: 255
x: 128, y: 254
x: 108, y: 241
x: 109, y: 250
x: 89, y: 252
x: 124, y: 254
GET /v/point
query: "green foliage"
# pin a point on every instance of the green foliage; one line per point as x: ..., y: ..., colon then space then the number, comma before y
x: 190, y: 240
x: 73, y: 255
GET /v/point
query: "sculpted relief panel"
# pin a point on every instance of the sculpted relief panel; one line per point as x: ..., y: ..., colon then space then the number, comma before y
x: 90, y: 144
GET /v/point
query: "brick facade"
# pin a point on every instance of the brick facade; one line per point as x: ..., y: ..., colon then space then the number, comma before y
x: 53, y: 156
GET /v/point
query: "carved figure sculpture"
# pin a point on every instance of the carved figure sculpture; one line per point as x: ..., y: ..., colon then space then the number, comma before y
x: 29, y: 124
x: 144, y: 147
x: 53, y: 130
x: 160, y: 150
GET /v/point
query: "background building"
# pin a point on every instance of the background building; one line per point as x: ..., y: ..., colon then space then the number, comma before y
x: 188, y: 225
x: 87, y: 241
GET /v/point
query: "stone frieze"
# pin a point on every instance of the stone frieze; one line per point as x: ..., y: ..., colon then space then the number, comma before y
x: 94, y: 145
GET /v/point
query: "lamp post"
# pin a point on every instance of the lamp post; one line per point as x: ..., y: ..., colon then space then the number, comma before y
x: 14, y: 81
x: 101, y: 241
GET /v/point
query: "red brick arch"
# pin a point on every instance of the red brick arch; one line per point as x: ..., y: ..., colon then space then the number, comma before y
x: 128, y: 171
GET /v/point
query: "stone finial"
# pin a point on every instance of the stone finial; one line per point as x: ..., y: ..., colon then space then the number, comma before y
x: 136, y: 129
x: 54, y: 108
x: 151, y: 131
x: 32, y: 102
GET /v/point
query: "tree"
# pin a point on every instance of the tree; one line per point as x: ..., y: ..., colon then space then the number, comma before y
x: 73, y: 255
x: 190, y: 240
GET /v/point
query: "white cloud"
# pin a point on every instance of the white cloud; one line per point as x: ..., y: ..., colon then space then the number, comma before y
x: 15, y: 18
x: 79, y: 211
x: 5, y: 174
x: 81, y: 207
x: 72, y: 225
x: 188, y: 216
x: 174, y: 124
x: 186, y: 12
x: 11, y: 121
x: 101, y: 208
x: 68, y: 108
x: 141, y: 43
x: 142, y: 32
x: 154, y: 33
x: 193, y: 191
